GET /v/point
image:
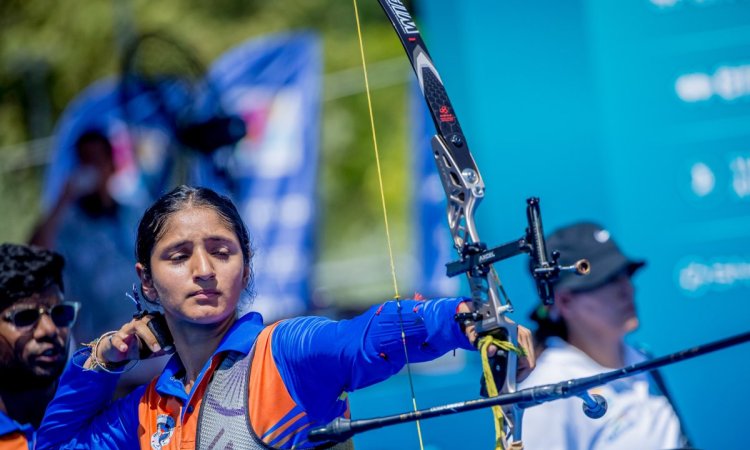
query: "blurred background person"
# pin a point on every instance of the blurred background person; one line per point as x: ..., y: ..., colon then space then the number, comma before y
x: 582, y: 334
x: 95, y: 234
x: 34, y: 339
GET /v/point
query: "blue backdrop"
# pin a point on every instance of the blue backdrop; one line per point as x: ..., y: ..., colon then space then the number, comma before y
x: 633, y: 114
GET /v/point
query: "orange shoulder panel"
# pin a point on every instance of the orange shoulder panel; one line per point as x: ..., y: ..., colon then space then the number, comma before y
x: 270, y: 401
x: 14, y: 441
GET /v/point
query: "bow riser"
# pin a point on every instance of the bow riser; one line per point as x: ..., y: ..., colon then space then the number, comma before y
x: 464, y: 190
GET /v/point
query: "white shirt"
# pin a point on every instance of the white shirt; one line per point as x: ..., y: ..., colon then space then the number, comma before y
x: 636, y: 418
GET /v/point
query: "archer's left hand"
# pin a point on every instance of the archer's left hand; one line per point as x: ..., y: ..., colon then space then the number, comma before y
x: 525, y: 363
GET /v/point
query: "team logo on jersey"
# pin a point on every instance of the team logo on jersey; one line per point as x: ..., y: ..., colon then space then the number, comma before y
x: 164, y: 430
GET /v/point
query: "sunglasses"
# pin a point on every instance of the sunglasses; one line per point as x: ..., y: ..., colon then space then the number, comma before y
x: 62, y: 315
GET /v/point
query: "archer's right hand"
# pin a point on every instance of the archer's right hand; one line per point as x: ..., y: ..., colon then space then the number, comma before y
x: 131, y: 342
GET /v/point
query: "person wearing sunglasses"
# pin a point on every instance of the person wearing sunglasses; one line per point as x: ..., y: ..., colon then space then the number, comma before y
x: 34, y: 326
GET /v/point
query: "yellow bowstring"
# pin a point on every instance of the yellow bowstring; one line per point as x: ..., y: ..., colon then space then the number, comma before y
x: 489, y: 379
x: 377, y: 153
x: 385, y: 216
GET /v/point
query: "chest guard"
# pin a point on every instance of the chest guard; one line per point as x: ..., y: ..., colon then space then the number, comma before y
x: 224, y: 420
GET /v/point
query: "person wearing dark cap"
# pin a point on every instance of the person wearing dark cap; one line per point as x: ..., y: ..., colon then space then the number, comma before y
x: 34, y: 326
x: 582, y: 334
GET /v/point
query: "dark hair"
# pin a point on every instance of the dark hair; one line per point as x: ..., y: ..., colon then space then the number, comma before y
x: 26, y: 270
x: 547, y: 326
x: 151, y: 226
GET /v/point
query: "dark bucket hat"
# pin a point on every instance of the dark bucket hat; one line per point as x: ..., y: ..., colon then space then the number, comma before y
x: 587, y: 240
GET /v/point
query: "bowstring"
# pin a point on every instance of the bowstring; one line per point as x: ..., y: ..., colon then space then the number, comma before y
x: 397, y: 297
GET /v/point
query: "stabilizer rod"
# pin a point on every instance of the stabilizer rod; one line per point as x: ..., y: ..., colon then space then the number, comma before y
x: 342, y: 429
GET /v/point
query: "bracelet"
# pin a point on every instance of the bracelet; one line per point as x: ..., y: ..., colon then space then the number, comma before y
x: 118, y: 368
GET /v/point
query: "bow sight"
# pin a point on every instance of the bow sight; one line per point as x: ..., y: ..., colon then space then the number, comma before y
x: 476, y: 260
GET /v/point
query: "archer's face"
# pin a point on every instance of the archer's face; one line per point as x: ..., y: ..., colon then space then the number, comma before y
x: 197, y: 268
x: 37, y: 350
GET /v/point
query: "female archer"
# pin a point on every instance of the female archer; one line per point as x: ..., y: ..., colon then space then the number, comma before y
x: 232, y: 382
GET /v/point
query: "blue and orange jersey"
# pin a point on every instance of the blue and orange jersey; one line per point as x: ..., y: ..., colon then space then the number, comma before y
x: 14, y: 436
x: 301, y: 370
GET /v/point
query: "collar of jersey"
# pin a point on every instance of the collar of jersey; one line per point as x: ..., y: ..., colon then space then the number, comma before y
x: 236, y: 339
x: 8, y: 425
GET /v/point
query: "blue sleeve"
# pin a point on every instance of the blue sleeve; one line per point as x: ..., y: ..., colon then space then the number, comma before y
x: 319, y: 359
x: 82, y: 416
